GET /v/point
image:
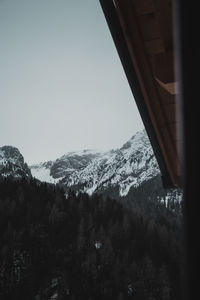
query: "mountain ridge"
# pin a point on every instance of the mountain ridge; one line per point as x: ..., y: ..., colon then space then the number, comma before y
x: 125, y: 173
x: 89, y: 171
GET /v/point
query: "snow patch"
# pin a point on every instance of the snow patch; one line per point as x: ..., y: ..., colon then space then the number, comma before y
x: 43, y: 174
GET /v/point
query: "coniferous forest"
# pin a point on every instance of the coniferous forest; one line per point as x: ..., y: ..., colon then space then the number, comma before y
x: 84, y: 248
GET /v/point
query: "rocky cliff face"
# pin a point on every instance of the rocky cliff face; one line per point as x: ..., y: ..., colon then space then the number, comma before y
x: 12, y: 163
x: 63, y: 167
x: 89, y: 171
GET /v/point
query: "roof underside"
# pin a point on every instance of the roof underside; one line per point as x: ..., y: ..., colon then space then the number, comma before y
x: 143, y: 34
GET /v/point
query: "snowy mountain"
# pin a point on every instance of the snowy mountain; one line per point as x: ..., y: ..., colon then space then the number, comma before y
x: 90, y: 171
x: 130, y: 171
x: 63, y: 167
x: 12, y: 163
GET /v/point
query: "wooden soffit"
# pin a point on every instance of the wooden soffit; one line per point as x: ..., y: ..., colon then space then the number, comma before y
x: 147, y: 33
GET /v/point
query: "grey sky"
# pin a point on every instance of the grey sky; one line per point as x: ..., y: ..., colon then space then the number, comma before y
x: 62, y: 86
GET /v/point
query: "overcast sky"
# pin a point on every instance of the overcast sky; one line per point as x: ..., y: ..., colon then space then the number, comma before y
x: 62, y: 86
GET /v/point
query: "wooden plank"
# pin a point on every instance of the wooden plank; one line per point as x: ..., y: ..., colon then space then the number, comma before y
x: 155, y: 46
x: 166, y: 97
x: 173, y: 129
x: 164, y: 16
x: 143, y: 6
x: 164, y: 66
x: 170, y: 87
x: 170, y: 112
x: 149, y: 27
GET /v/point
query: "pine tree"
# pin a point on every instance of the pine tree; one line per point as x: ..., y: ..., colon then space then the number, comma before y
x: 163, y: 283
x: 81, y: 236
x: 120, y: 297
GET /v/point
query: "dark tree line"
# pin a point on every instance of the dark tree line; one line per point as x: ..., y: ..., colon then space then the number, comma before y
x: 83, y: 247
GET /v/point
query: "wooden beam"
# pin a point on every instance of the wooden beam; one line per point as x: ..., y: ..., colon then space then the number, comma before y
x: 164, y: 66
x: 149, y: 26
x: 144, y: 6
x: 170, y: 87
x: 165, y: 96
x: 164, y: 14
x: 154, y: 46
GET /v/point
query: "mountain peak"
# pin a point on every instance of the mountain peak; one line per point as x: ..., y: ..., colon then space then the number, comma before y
x: 139, y: 139
x: 12, y: 163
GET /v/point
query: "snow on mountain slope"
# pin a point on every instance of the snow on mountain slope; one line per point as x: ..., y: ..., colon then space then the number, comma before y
x: 128, y: 166
x: 54, y: 171
x: 91, y: 171
x: 42, y: 172
x: 12, y: 163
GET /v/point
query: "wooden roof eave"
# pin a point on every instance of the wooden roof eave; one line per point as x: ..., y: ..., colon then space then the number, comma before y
x: 137, y: 83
